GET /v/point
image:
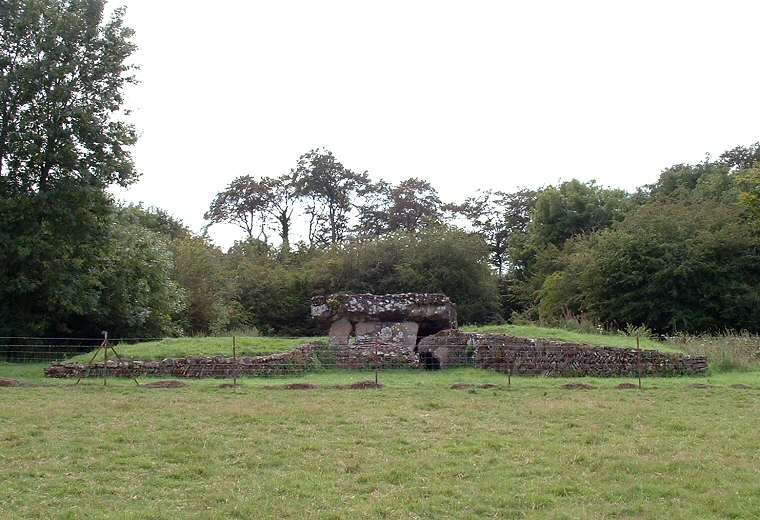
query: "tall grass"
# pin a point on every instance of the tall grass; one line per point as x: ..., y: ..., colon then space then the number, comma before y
x: 727, y: 352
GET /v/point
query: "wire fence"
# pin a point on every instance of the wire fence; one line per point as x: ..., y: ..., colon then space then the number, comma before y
x: 263, y: 357
x: 23, y: 349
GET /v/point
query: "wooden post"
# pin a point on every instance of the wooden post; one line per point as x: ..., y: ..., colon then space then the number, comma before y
x: 105, y: 358
x: 377, y: 367
x: 234, y: 361
x: 638, y: 358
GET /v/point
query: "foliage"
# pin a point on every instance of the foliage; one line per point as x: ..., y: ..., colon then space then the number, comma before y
x: 50, y: 259
x: 435, y: 260
x: 274, y: 297
x: 500, y: 218
x: 683, y: 182
x: 252, y: 205
x: 741, y: 157
x: 748, y: 181
x: 138, y: 296
x: 61, y: 79
x: 675, y: 267
x: 329, y: 188
x: 199, y: 269
x: 574, y: 208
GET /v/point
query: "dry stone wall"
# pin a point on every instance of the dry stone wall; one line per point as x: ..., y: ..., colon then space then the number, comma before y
x: 517, y: 356
x: 531, y: 357
x: 296, y: 361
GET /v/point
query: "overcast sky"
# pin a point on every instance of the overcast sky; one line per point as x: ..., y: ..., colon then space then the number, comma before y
x: 466, y: 95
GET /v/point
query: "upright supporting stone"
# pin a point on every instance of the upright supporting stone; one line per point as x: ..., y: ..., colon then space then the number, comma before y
x: 404, y: 334
x: 340, y: 331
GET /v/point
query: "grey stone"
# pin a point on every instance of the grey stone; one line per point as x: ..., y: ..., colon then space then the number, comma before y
x: 340, y: 331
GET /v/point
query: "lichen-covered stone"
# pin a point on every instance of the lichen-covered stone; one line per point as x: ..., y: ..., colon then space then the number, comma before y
x: 436, y: 311
x: 404, y: 333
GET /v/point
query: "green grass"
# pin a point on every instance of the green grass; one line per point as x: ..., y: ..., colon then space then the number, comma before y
x: 726, y: 352
x: 197, y: 346
x: 676, y: 448
x: 560, y: 334
x: 256, y: 346
x: 413, y: 449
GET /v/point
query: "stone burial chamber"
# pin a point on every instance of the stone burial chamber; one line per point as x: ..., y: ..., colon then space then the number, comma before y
x: 400, y: 320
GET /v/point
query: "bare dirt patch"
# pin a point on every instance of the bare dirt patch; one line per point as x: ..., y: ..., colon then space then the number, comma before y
x: 627, y: 386
x: 741, y: 386
x: 172, y: 383
x: 465, y: 386
x: 292, y: 386
x: 699, y: 385
x: 359, y: 385
x: 577, y: 386
x: 7, y: 382
x: 229, y: 385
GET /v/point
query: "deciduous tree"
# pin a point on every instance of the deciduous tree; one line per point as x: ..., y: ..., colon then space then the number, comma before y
x: 330, y: 189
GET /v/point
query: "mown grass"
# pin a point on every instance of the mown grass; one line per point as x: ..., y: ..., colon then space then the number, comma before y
x: 413, y: 449
x: 256, y: 346
x: 197, y: 346
x: 560, y: 334
x: 676, y: 448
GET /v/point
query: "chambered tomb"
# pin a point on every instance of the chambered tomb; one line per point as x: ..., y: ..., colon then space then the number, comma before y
x: 386, y: 326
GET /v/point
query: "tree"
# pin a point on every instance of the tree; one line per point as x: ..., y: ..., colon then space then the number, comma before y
x: 675, y: 267
x: 574, y: 208
x: 414, y: 205
x: 741, y: 157
x: 244, y: 203
x: 62, y: 74
x: 329, y: 188
x: 708, y: 180
x: 197, y: 270
x: 137, y: 296
x: 498, y: 216
x: 748, y: 181
x: 51, y: 247
x: 61, y: 79
x: 408, y: 206
x: 374, y: 212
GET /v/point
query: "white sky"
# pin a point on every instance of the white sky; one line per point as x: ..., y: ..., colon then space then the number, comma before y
x: 467, y: 95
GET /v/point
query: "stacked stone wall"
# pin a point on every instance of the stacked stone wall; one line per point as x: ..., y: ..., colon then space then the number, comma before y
x: 517, y: 356
x: 522, y: 356
x: 296, y: 361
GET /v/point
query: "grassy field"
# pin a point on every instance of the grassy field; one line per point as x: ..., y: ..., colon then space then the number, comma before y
x: 415, y: 448
x: 211, y: 346
x: 254, y: 346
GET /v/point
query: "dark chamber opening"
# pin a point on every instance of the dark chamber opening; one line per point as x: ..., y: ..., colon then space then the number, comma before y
x: 429, y: 361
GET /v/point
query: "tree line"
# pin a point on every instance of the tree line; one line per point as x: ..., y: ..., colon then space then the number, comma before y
x: 681, y: 254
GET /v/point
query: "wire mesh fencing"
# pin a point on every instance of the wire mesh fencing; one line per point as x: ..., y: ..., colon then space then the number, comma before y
x: 265, y: 357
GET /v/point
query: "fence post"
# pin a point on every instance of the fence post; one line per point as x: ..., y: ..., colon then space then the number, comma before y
x: 105, y: 358
x: 638, y: 358
x: 234, y: 362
